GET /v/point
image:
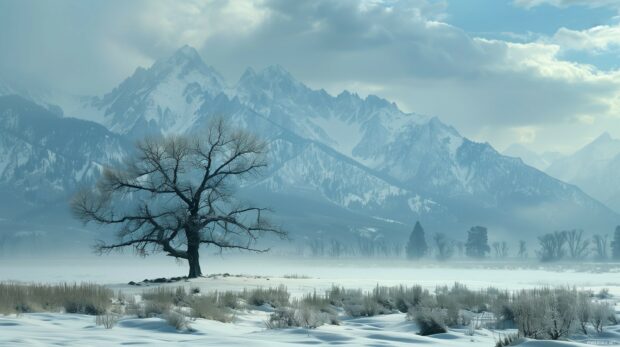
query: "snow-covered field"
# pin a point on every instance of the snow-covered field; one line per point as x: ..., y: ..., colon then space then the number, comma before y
x: 299, y: 276
x: 44, y: 329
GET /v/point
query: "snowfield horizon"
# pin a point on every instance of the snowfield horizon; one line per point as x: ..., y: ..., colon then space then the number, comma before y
x: 228, y: 308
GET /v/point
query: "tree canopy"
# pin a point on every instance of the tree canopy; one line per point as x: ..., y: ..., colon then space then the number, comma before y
x: 176, y: 193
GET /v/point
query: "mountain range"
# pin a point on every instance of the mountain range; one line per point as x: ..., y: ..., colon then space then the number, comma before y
x: 340, y: 165
x: 594, y: 168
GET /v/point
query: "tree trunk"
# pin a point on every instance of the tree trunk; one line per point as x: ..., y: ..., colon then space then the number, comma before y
x: 193, y: 261
x: 193, y: 245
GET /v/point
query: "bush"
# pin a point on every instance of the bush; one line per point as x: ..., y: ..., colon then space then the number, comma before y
x: 357, y: 304
x: 282, y: 317
x: 82, y: 298
x: 555, y: 313
x: 430, y: 321
x: 600, y: 316
x: 311, y: 317
x: 603, y: 294
x: 508, y: 340
x: 166, y: 295
x: 108, y: 320
x: 210, y: 307
x: 400, y: 298
x: 154, y: 309
x: 464, y: 298
x: 275, y: 297
x: 300, y: 315
x: 177, y: 320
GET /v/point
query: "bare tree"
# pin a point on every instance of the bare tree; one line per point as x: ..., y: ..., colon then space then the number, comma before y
x: 552, y: 246
x: 317, y: 247
x: 366, y: 246
x: 522, y: 249
x: 444, y: 246
x: 175, y: 194
x: 500, y: 249
x: 335, y: 248
x: 600, y: 246
x: 577, y: 246
x: 460, y: 248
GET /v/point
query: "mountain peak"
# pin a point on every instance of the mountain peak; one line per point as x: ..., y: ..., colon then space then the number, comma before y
x: 186, y: 53
x: 248, y: 75
x: 277, y: 71
x: 603, y: 138
x: 272, y: 78
x: 186, y: 58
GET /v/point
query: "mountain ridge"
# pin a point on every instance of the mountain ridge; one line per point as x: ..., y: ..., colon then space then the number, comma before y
x: 362, y: 154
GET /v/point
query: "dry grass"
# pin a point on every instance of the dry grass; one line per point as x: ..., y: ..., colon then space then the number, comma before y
x: 83, y: 298
x: 211, y: 306
x: 275, y: 297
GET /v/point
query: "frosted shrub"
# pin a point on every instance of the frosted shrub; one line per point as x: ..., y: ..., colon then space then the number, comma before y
x: 400, y: 298
x: 475, y: 301
x: 599, y: 316
x: 107, y: 320
x: 275, y: 297
x: 177, y: 320
x: 210, y: 307
x: 508, y: 340
x: 381, y: 300
x: 583, y: 311
x: 166, y: 295
x: 154, y: 309
x: 430, y: 321
x: 560, y: 313
x: 503, y: 311
x: 230, y: 299
x: 300, y: 315
x: 556, y: 313
x: 310, y: 316
x: 603, y: 294
x: 357, y: 304
x: 282, y: 317
x: 529, y: 313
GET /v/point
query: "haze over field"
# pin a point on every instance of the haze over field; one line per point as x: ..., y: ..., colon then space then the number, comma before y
x: 352, y: 172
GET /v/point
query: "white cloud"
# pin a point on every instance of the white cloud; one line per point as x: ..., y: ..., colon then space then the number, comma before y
x: 594, y: 40
x: 401, y: 50
x: 565, y: 3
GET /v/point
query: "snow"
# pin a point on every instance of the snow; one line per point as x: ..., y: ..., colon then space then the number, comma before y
x: 418, y: 204
x: 168, y: 104
x: 248, y: 328
x: 43, y: 329
x: 387, y: 220
x: 270, y: 270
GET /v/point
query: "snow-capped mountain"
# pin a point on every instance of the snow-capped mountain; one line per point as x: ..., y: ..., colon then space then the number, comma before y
x: 594, y: 168
x: 44, y: 157
x: 358, y: 160
x: 540, y: 161
x: 162, y: 99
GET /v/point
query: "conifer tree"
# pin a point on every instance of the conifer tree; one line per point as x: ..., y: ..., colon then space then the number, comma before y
x: 417, y: 247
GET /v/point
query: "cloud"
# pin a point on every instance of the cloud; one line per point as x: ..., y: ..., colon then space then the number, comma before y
x: 401, y: 50
x: 565, y: 3
x: 594, y: 40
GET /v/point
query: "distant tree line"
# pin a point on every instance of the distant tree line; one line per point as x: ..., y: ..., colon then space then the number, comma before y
x: 361, y: 247
x: 555, y: 246
x: 572, y: 245
x: 575, y: 245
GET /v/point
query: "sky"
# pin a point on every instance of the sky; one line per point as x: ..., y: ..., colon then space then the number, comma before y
x: 541, y: 73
